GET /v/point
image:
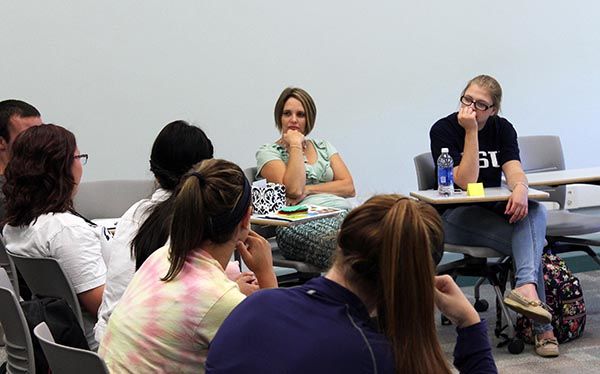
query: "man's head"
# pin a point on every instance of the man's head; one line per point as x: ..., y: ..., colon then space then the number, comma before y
x: 16, y: 116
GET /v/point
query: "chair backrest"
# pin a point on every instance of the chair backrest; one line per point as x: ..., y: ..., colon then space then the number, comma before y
x: 19, y: 348
x: 5, y: 280
x: 544, y: 153
x: 10, y: 269
x: 251, y: 174
x: 110, y: 198
x: 425, y: 169
x: 45, y: 277
x: 66, y: 360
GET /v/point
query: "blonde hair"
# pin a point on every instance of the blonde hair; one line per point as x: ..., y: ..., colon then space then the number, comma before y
x: 307, y: 103
x: 491, y: 85
x: 385, y: 248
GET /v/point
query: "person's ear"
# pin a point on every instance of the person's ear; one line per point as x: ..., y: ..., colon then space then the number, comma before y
x: 3, y: 144
x: 246, y: 219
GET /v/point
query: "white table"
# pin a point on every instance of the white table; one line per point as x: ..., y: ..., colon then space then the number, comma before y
x: 315, y: 212
x: 492, y: 194
x: 562, y: 177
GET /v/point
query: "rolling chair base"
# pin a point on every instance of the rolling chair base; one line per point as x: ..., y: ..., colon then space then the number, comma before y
x: 497, y: 274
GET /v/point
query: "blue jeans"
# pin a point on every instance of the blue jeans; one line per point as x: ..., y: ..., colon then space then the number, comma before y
x: 489, y: 227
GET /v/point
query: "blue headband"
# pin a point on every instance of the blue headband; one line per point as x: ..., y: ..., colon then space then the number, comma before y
x: 228, y: 220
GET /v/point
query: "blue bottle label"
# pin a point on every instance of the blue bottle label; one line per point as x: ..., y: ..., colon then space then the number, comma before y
x: 445, y: 176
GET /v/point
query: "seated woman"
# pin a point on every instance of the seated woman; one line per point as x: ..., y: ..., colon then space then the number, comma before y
x: 312, y: 171
x: 41, y: 180
x: 179, y: 297
x: 383, y: 267
x: 145, y: 226
x: 484, y: 145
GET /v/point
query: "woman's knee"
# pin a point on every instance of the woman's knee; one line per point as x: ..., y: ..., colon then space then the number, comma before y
x: 537, y: 212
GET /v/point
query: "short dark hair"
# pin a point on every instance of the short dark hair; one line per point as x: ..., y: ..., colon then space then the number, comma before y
x: 10, y: 108
x: 39, y: 177
x: 176, y: 149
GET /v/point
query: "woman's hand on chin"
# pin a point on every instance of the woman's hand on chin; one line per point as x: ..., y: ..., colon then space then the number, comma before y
x: 293, y: 138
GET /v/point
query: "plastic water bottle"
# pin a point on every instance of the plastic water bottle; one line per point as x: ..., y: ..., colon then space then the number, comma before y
x: 445, y: 166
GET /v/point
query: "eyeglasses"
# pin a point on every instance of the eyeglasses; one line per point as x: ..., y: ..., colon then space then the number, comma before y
x: 82, y: 157
x: 479, y: 105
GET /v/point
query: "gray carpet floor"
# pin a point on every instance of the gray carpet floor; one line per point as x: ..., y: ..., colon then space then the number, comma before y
x: 579, y: 356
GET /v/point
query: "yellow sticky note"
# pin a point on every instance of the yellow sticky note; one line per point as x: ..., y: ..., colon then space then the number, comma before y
x: 475, y: 189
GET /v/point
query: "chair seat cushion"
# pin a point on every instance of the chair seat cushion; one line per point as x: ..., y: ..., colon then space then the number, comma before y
x: 302, y: 267
x: 565, y: 223
x: 482, y: 252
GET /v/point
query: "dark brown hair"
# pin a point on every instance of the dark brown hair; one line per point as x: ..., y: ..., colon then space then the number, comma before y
x: 176, y: 149
x: 385, y: 248
x: 307, y: 103
x: 39, y: 176
x: 210, y: 190
x: 11, y: 108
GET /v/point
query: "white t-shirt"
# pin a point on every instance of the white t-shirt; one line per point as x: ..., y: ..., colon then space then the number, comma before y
x: 74, y: 243
x: 121, y: 266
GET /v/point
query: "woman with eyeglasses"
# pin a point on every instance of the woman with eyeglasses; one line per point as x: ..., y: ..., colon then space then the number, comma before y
x: 484, y: 146
x: 383, y: 267
x: 41, y: 181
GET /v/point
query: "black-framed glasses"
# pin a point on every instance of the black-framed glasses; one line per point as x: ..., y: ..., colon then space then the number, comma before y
x: 82, y: 157
x: 480, y: 105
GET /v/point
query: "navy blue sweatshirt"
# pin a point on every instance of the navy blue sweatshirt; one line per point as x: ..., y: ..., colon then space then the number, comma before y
x: 319, y: 327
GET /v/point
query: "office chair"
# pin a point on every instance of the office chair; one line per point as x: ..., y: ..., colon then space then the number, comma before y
x: 10, y: 269
x: 45, y: 276
x: 110, y: 198
x: 475, y: 263
x: 65, y: 359
x: 19, y: 347
x: 544, y: 153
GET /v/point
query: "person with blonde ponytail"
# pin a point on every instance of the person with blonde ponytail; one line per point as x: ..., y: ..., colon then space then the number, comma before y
x: 179, y: 297
x: 485, y: 150
x: 373, y: 311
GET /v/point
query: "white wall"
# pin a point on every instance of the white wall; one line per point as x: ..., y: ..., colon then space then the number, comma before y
x: 115, y: 72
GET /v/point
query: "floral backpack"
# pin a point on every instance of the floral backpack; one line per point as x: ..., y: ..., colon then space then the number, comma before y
x: 564, y: 296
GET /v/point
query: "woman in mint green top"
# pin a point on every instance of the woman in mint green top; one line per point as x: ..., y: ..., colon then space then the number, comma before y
x: 307, y: 168
x: 313, y: 173
x: 319, y: 172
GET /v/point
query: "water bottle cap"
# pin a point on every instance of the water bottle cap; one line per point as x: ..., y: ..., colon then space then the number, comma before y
x: 444, y: 150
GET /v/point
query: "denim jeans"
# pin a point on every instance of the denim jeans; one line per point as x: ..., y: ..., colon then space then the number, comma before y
x: 489, y: 227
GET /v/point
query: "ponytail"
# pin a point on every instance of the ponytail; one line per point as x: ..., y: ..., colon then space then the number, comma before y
x: 210, y: 202
x: 385, y: 248
x: 188, y: 208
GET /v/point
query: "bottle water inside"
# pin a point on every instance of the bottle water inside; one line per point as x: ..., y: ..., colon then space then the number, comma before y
x: 445, y: 166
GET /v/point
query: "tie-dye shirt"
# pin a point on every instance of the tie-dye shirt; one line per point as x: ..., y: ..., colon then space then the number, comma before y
x: 167, y: 326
